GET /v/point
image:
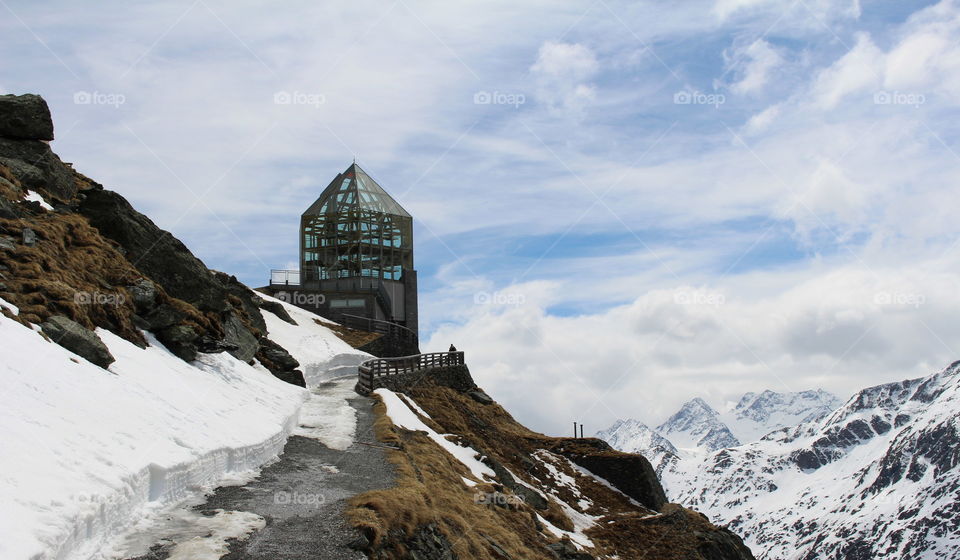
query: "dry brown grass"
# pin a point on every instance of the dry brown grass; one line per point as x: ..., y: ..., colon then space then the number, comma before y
x: 355, y: 338
x: 74, y: 271
x: 429, y: 489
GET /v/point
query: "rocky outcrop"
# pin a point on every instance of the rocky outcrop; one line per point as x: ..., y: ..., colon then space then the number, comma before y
x: 25, y: 117
x: 96, y: 246
x: 280, y: 363
x: 426, y: 542
x: 631, y: 474
x: 78, y: 339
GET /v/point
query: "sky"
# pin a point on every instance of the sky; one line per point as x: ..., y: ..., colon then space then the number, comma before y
x: 619, y: 206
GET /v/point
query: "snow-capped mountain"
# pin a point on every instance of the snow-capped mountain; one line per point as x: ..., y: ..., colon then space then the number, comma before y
x: 756, y: 415
x: 697, y: 427
x: 877, y: 478
x: 634, y: 436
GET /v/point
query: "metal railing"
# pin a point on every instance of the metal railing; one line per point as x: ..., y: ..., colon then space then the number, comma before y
x: 284, y: 277
x: 370, y: 370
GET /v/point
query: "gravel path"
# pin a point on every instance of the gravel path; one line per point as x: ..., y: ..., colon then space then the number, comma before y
x: 302, y: 497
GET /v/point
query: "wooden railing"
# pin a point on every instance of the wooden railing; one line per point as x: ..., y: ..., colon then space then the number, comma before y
x: 370, y: 370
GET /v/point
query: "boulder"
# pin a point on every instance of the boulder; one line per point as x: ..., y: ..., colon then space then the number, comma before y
x: 38, y: 168
x: 281, y: 364
x: 480, y: 396
x: 179, y: 339
x: 277, y: 309
x: 143, y: 293
x: 25, y: 117
x: 629, y: 473
x: 236, y: 334
x: 29, y: 237
x: 77, y: 339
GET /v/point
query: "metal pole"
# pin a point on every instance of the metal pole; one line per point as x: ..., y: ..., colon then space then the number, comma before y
x: 574, y: 430
x: 581, y: 430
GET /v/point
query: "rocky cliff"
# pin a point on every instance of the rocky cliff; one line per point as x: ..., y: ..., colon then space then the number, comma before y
x: 75, y: 256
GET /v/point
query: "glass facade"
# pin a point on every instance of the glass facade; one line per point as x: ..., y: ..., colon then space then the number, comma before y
x: 355, y: 229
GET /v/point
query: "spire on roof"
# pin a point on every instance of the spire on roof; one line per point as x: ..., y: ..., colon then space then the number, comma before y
x: 355, y: 188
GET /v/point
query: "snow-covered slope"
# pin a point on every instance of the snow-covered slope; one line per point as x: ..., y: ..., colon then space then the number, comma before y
x: 88, y: 451
x: 877, y: 478
x: 697, y: 427
x: 321, y: 353
x: 756, y: 415
x: 633, y: 436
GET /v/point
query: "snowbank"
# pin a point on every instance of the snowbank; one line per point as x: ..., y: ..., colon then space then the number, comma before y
x: 321, y: 353
x: 87, y: 451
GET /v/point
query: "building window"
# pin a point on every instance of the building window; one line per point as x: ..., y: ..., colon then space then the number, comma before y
x: 342, y: 303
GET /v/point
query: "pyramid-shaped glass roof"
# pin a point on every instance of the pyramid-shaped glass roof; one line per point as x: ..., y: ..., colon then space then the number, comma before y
x: 354, y: 189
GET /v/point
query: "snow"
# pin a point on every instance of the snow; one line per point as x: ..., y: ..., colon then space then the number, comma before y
x: 36, y: 197
x: 321, y: 353
x: 328, y: 416
x: 13, y: 308
x: 89, y: 452
x: 404, y: 417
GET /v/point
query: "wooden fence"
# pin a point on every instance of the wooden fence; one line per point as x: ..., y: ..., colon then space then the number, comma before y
x: 370, y: 370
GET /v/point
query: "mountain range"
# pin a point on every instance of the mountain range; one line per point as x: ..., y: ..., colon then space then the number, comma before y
x: 874, y: 477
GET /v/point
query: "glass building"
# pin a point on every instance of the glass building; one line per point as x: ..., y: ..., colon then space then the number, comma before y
x: 356, y: 249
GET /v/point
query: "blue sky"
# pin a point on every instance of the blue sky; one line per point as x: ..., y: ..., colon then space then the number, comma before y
x: 657, y: 202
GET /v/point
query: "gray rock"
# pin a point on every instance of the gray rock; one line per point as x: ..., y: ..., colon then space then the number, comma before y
x: 529, y: 495
x: 281, y: 364
x: 143, y: 292
x: 37, y: 167
x: 163, y: 316
x: 25, y: 117
x: 278, y: 355
x: 564, y: 550
x: 77, y: 339
x: 29, y: 237
x: 479, y: 396
x: 277, y: 309
x: 8, y: 210
x: 236, y: 334
x: 179, y: 339
x: 7, y: 243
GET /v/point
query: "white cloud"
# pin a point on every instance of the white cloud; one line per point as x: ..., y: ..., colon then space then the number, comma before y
x: 844, y: 329
x: 754, y: 64
x: 858, y: 71
x: 562, y: 72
